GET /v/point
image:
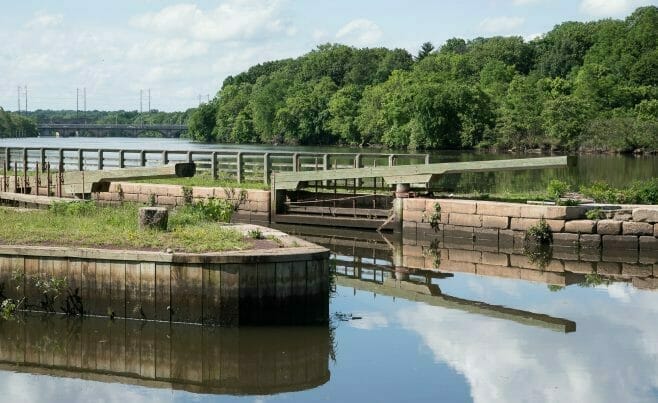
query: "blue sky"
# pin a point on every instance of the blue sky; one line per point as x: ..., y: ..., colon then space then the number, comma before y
x: 183, y: 50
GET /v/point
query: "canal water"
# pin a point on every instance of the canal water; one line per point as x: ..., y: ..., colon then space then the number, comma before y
x: 481, y: 338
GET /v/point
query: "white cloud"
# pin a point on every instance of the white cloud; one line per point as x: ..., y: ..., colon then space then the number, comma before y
x: 162, y: 50
x: 501, y: 24
x: 231, y: 20
x: 610, y: 8
x: 44, y: 20
x: 360, y: 32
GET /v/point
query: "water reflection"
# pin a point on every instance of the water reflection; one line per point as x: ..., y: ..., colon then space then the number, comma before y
x: 173, y: 356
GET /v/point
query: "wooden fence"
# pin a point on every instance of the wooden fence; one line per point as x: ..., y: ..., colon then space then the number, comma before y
x: 241, y: 165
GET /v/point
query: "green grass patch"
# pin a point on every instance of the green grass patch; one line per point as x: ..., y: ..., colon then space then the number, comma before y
x: 190, y: 229
x: 205, y: 180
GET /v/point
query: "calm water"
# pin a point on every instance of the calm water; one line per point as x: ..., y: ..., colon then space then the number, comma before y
x: 378, y: 347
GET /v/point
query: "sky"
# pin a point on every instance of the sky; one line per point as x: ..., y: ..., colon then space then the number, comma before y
x: 182, y: 51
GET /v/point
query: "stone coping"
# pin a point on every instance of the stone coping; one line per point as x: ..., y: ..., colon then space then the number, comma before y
x: 294, y: 249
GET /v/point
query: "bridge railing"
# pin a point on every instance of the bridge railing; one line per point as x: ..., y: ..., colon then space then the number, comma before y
x: 240, y: 165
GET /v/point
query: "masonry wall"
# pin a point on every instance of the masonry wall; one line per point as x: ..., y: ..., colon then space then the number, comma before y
x: 636, y: 232
x: 253, y: 205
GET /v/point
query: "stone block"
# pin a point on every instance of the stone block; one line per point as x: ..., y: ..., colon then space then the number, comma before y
x: 499, y: 209
x: 648, y: 257
x: 258, y: 195
x: 608, y: 227
x: 608, y: 268
x: 466, y: 220
x: 636, y: 270
x: 414, y: 215
x: 429, y: 204
x: 458, y: 206
x: 565, y: 239
x: 543, y: 277
x: 489, y: 221
x: 463, y: 267
x: 445, y: 218
x: 497, y: 271
x: 485, y: 239
x: 637, y: 228
x: 576, y: 266
x: 523, y: 224
x: 166, y: 200
x: 131, y: 197
x: 461, y: 255
x: 623, y: 242
x: 506, y: 239
x: 551, y: 212
x: 648, y: 243
x: 620, y: 255
x: 415, y: 204
x: 566, y: 252
x: 645, y: 283
x: 590, y: 241
x: 655, y: 230
x: 456, y: 231
x: 174, y: 190
x: 495, y: 259
x: 203, y: 192
x: 458, y: 243
x: 648, y: 215
x: 590, y: 255
x: 580, y: 226
x: 153, y: 218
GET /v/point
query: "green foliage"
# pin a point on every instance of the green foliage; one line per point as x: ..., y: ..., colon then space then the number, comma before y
x: 187, y: 195
x: 255, y: 234
x: 595, y: 214
x: 557, y: 188
x: 435, y: 218
x: 540, y: 233
x: 580, y: 86
x: 214, y: 210
x: 14, y: 125
x: 78, y: 208
x: 638, y: 192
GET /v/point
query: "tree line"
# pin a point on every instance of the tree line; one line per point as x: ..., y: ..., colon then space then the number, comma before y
x: 583, y: 85
x: 14, y: 125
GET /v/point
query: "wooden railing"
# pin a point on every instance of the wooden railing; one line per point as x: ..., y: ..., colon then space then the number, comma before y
x: 241, y: 165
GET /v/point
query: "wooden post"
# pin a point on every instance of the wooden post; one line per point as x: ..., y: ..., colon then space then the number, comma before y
x: 427, y: 158
x: 24, y: 174
x: 4, y: 176
x: 100, y: 159
x: 266, y: 168
x: 15, y: 177
x: 295, y: 162
x: 36, y: 179
x: 213, y: 164
x: 325, y: 166
x: 357, y: 164
x: 60, y: 156
x: 122, y: 159
x: 8, y: 157
x: 81, y: 160
x: 142, y: 158
x: 24, y: 159
x: 48, y: 180
x: 238, y: 166
x: 165, y: 157
x: 42, y: 158
x: 391, y: 160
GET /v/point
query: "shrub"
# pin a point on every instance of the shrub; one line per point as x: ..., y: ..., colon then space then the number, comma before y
x: 540, y: 232
x: 203, y: 211
x: 79, y: 208
x: 255, y: 234
x: 596, y: 214
x: 557, y: 188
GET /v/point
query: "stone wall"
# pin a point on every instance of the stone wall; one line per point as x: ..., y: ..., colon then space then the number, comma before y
x: 253, y: 205
x: 637, y: 231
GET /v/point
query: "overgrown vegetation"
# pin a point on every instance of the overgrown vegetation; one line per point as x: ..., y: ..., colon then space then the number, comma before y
x: 14, y: 125
x: 540, y: 232
x: 191, y: 229
x: 582, y: 85
x: 638, y: 192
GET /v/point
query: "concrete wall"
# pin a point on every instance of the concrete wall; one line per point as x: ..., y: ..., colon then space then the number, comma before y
x: 197, y: 359
x: 274, y: 286
x: 253, y: 205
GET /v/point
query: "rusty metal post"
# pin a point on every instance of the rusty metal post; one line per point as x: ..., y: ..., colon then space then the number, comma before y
x: 5, y: 184
x: 213, y: 164
x: 48, y: 180
x: 81, y: 160
x: 36, y: 180
x: 15, y: 177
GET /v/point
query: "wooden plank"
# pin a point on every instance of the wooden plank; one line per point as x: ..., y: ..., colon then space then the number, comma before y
x: 283, y: 292
x: 147, y: 290
x: 162, y: 350
x: 267, y: 292
x: 211, y: 294
x: 88, y: 286
x: 230, y: 294
x: 147, y: 348
x: 133, y: 341
x: 298, y: 290
x: 186, y: 298
x: 162, y: 291
x: 102, y: 296
x: 133, y: 292
x: 417, y: 173
x: 118, y: 288
x: 249, y: 303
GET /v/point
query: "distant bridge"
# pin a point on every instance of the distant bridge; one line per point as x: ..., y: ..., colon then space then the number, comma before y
x: 107, y: 130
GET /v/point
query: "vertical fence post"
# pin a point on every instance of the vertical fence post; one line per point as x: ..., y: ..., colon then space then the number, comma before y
x: 391, y: 160
x: 325, y: 166
x: 122, y: 159
x: 142, y: 158
x: 81, y: 160
x: 60, y: 159
x: 165, y: 157
x: 48, y: 180
x: 266, y: 168
x: 238, y: 166
x: 213, y: 164
x: 100, y: 159
x: 357, y: 164
x: 8, y: 157
x: 427, y: 159
x: 295, y: 162
x: 42, y: 159
x: 190, y: 157
x: 24, y: 159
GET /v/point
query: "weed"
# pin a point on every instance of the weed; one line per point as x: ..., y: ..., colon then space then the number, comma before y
x: 556, y: 189
x: 435, y: 218
x: 151, y: 200
x: 595, y: 214
x: 255, y: 234
x: 187, y: 195
x: 539, y: 233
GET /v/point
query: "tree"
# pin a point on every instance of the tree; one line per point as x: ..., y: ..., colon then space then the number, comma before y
x: 202, y: 123
x: 343, y: 110
x: 425, y: 50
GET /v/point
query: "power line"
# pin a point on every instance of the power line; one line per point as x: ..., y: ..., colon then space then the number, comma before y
x: 18, y: 91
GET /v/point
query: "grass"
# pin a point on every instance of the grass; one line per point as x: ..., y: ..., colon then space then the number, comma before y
x: 207, y: 181
x: 87, y: 225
